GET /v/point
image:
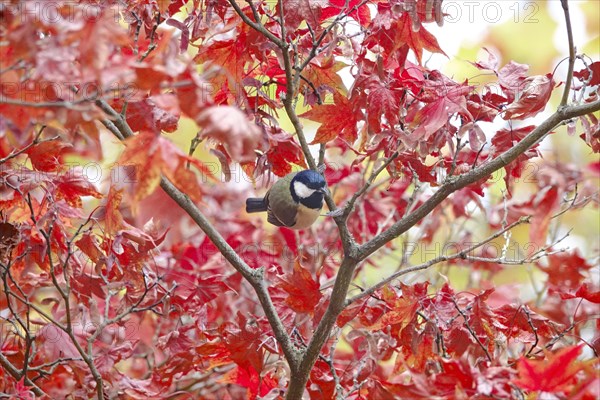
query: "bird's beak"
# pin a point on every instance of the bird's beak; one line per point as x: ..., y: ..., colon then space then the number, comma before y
x: 324, y: 190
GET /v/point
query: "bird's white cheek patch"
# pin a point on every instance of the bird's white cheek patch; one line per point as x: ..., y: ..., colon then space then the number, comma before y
x: 302, y: 190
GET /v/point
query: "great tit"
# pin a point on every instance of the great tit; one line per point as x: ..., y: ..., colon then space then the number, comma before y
x: 294, y: 201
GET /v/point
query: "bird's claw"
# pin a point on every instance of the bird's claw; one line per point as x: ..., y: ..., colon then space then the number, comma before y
x: 335, y: 213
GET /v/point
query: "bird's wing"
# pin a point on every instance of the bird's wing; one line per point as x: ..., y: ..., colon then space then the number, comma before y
x: 280, y: 203
x: 272, y: 219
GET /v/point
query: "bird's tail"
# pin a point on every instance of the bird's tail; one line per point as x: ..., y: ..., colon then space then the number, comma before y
x: 255, y: 204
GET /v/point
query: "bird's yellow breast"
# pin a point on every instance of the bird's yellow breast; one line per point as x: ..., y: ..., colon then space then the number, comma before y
x: 305, y: 217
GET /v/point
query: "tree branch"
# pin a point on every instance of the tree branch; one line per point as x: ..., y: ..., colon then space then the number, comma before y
x: 461, y: 254
x: 36, y: 140
x: 254, y: 277
x: 257, y: 25
x: 350, y: 204
x: 16, y: 374
x: 353, y: 254
x: 569, y: 80
x: 459, y: 182
x: 360, y: 253
x: 336, y: 305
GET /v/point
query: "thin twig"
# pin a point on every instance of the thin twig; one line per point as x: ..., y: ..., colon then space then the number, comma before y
x: 533, y: 329
x: 44, y: 104
x: 471, y: 331
x: 457, y: 183
x: 258, y: 26
x: 36, y: 140
x: 569, y: 80
x: 464, y: 254
x: 350, y: 204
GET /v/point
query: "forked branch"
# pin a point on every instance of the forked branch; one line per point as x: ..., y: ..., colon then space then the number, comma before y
x: 119, y: 127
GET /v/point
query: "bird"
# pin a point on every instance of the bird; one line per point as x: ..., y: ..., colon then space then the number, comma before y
x: 294, y: 201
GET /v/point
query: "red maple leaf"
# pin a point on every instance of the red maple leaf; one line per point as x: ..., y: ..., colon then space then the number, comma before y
x: 303, y: 290
x: 198, y: 289
x: 554, y: 374
x: 417, y: 41
x: 113, y: 219
x: 153, y: 155
x: 444, y: 98
x: 350, y: 313
x: 338, y: 119
x: 243, y: 341
x: 232, y: 54
x: 511, y: 78
x: 361, y: 14
x: 298, y: 11
x: 231, y: 127
x: 24, y: 391
x: 72, y: 186
x: 47, y: 156
x: 532, y: 99
x: 583, y: 292
x: 393, y: 33
x: 284, y: 152
x: 195, y: 97
x: 594, y: 70
x: 402, y: 309
x: 321, y: 383
x: 519, y: 320
x: 382, y: 101
x: 565, y: 270
x: 322, y: 73
x: 143, y: 151
x: 491, y: 64
x: 156, y: 113
x: 504, y: 140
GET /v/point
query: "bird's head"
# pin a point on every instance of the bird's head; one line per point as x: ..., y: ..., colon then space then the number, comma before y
x: 308, y: 187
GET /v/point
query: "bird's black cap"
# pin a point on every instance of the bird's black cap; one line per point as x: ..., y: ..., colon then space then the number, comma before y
x: 311, y: 179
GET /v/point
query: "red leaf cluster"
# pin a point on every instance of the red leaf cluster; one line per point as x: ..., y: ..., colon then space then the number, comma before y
x: 108, y: 289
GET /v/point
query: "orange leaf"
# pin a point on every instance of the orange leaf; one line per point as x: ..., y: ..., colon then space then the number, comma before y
x: 185, y: 180
x: 153, y: 156
x: 113, y: 220
x: 144, y: 152
x: 90, y: 247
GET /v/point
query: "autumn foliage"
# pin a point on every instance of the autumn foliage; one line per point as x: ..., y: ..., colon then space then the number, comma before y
x: 131, y: 133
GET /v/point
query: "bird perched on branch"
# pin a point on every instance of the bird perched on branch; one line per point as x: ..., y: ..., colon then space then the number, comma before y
x: 294, y: 201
